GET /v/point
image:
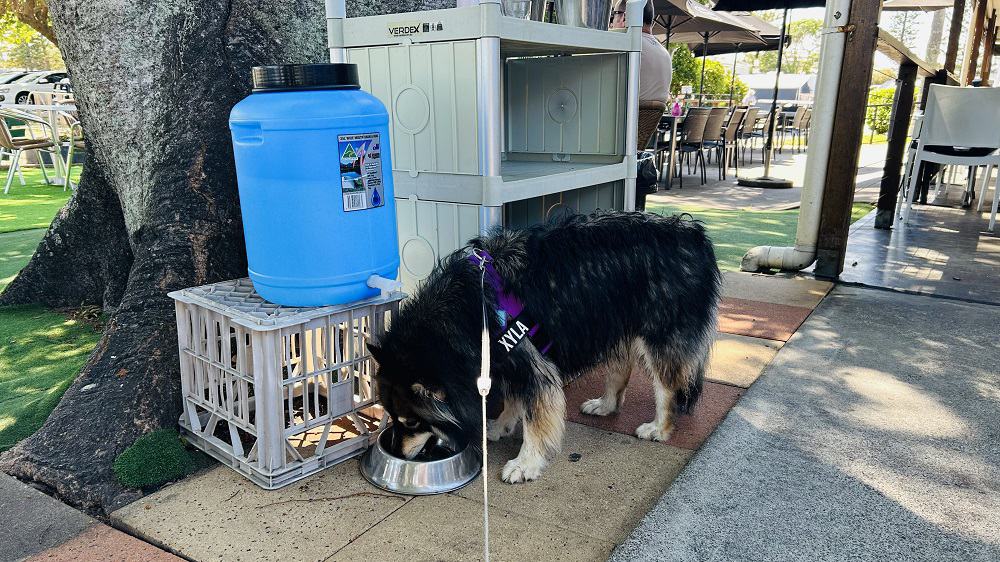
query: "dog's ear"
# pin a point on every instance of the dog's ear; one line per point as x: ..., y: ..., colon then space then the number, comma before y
x: 421, y: 390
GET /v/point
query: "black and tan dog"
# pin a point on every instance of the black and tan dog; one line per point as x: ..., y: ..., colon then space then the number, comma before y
x: 617, y: 291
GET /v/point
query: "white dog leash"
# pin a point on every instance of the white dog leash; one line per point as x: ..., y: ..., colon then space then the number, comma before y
x: 484, y: 383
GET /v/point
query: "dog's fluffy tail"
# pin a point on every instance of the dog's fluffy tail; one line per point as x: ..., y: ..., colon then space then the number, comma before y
x: 687, y: 396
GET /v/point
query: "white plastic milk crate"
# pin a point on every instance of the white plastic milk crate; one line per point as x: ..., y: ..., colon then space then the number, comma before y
x: 278, y: 393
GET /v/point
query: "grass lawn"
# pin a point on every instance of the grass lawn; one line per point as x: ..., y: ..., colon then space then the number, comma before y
x: 735, y: 232
x: 41, y: 352
x: 15, y: 251
x: 32, y: 205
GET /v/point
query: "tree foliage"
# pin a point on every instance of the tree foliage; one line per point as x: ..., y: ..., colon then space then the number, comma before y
x: 903, y: 26
x: 33, y: 13
x: 687, y: 72
x: 21, y: 46
x: 801, y: 56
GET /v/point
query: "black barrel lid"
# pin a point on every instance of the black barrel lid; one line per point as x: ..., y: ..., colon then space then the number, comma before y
x: 329, y: 76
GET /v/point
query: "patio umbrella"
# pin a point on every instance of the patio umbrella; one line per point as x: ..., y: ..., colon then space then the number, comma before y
x: 769, y: 34
x: 916, y: 5
x: 749, y: 5
x: 701, y: 24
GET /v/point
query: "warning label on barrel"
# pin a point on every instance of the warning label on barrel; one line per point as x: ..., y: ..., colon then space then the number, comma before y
x: 361, y: 171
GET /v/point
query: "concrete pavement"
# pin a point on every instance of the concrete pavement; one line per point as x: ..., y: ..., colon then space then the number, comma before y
x: 36, y: 527
x: 871, y: 436
x: 727, y: 195
x: 590, y: 498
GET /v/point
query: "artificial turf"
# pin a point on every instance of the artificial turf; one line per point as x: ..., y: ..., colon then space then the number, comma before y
x: 32, y: 205
x: 15, y: 251
x: 41, y: 351
x: 735, y: 232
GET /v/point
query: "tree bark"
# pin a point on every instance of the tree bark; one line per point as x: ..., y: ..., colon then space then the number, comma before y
x: 156, y: 210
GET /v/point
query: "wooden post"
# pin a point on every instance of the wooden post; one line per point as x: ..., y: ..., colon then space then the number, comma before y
x: 951, y: 54
x: 975, y: 38
x: 848, y: 129
x: 899, y: 123
x: 940, y: 78
x: 990, y: 39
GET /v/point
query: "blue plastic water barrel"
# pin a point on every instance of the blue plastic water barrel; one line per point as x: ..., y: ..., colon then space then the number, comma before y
x: 315, y: 184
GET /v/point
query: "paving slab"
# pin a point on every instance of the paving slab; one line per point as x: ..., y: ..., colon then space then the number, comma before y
x: 760, y: 319
x: 220, y: 515
x: 101, y: 543
x: 449, y: 527
x: 871, y: 436
x: 31, y: 521
x: 792, y: 291
x: 739, y: 360
x: 603, y: 494
x: 690, y: 430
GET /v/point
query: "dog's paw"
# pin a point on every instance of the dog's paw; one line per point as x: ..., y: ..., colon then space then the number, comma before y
x: 652, y: 432
x: 497, y: 430
x: 518, y: 470
x: 597, y: 407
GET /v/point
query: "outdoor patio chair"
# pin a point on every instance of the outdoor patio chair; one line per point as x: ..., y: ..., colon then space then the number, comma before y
x: 746, y: 129
x: 75, y: 143
x: 730, y: 141
x: 650, y: 112
x: 961, y: 127
x: 791, y: 126
x: 16, y: 146
x: 762, y: 135
x: 712, y: 139
x: 987, y: 175
x: 803, y: 133
x: 689, y: 145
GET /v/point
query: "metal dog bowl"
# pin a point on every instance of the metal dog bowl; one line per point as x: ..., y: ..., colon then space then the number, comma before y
x: 417, y: 478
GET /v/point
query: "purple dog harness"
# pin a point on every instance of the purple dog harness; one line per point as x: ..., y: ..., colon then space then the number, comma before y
x: 515, y: 322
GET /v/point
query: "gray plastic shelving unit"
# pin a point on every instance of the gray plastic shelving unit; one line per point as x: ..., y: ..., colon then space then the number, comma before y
x: 495, y: 120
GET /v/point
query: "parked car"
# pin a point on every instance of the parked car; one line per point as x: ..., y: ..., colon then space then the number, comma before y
x: 8, y: 76
x: 48, y: 81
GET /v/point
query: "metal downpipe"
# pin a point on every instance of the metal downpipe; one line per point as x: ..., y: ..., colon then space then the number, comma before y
x: 803, y: 254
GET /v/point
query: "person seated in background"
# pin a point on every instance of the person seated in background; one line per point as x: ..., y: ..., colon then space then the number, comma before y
x: 655, y: 65
x: 750, y: 99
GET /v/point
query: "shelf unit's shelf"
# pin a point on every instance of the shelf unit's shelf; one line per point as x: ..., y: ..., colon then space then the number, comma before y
x: 519, y: 180
x: 523, y: 180
x: 518, y: 37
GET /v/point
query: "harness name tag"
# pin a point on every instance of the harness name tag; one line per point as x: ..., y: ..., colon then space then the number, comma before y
x: 513, y: 335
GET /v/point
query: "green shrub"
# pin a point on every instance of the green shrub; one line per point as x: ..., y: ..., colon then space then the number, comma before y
x: 877, y: 118
x: 687, y: 72
x: 157, y: 458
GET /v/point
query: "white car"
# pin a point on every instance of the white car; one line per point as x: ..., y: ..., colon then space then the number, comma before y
x: 44, y: 81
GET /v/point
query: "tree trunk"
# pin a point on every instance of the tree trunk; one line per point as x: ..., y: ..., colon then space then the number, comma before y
x: 156, y: 210
x: 936, y: 36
